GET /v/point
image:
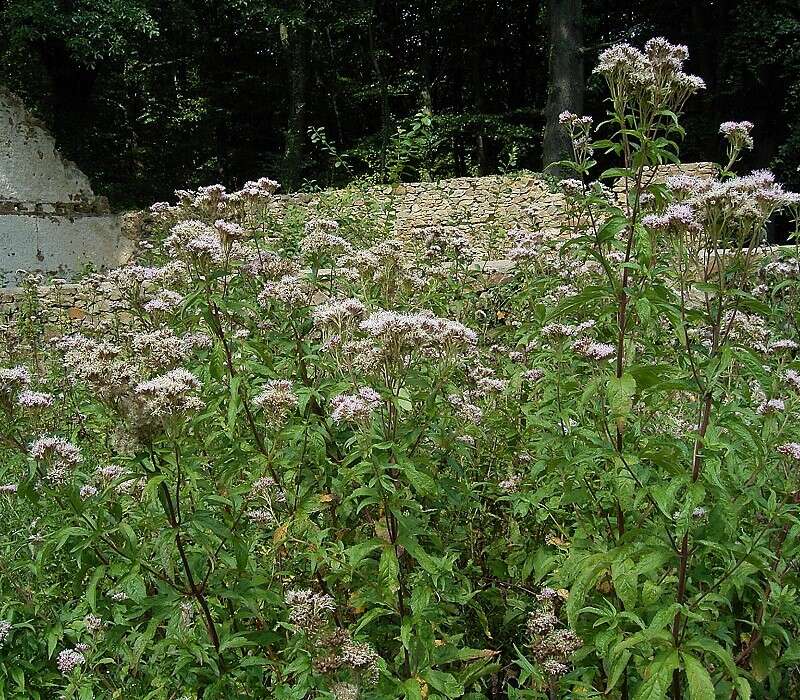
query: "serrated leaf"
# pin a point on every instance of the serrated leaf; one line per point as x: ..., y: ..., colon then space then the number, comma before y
x: 616, y: 670
x: 91, y: 588
x: 389, y: 568
x: 701, y: 687
x: 358, y: 551
x: 620, y: 392
x: 623, y: 574
x: 659, y: 677
x: 718, y: 651
x: 611, y: 228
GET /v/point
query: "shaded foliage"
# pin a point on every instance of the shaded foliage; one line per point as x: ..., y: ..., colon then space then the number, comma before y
x: 151, y: 95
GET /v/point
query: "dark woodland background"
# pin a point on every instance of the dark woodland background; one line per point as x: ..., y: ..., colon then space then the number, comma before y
x: 152, y: 95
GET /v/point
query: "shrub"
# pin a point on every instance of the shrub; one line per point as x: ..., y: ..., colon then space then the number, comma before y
x: 319, y: 465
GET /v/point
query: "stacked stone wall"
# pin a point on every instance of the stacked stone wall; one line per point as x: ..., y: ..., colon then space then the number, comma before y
x: 484, y: 208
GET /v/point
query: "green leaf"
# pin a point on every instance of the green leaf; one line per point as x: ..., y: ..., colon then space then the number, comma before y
x: 592, y: 568
x: 659, y: 677
x: 618, y: 666
x: 720, y: 653
x: 624, y: 576
x: 389, y: 568
x: 445, y: 683
x: 614, y: 173
x: 701, y: 687
x: 743, y: 688
x: 620, y: 393
x: 233, y: 403
x: 423, y: 484
x: 358, y: 551
x: 91, y: 588
x: 611, y: 229
x: 412, y: 690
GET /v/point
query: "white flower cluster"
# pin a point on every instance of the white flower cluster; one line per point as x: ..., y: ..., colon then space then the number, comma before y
x: 593, y: 350
x: 129, y: 279
x: 792, y: 377
x: 654, y: 75
x: 164, y: 301
x: 355, y: 408
x: 559, y: 331
x: 161, y: 348
x: 320, y: 239
x: 387, y: 262
x: 277, y: 399
x: 5, y: 630
x: 289, y: 290
x: 768, y: 408
x: 35, y: 399
x: 262, y: 517
x: 446, y: 242
x: 268, y: 265
x: 58, y: 456
x: 676, y: 217
x: 69, y: 659
x: 525, y: 244
x: 465, y: 409
x: 100, y: 364
x: 421, y: 330
x: 338, y: 313
x: 170, y: 393
x: 791, y: 449
x: 579, y: 130
x: 194, y: 240
x: 308, y: 610
x: 13, y: 379
x: 228, y: 232
x: 737, y: 134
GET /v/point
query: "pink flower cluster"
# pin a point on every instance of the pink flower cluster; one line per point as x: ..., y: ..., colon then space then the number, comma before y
x: 69, y: 659
x: 737, y: 134
x: 58, y: 455
x: 355, y: 408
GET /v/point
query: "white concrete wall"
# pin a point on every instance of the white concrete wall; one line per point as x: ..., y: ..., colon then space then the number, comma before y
x: 50, y: 220
x: 60, y: 245
x: 31, y: 169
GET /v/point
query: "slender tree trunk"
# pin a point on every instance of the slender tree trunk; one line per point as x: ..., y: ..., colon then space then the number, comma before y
x: 294, y: 39
x: 565, y: 88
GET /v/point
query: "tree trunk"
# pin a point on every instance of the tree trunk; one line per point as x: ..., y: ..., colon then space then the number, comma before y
x: 565, y: 88
x: 294, y: 39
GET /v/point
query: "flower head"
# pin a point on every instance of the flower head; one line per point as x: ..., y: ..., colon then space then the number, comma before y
x: 58, y: 456
x: 737, y: 134
x: 355, y: 408
x: 277, y: 399
x: 69, y: 660
x: 35, y: 399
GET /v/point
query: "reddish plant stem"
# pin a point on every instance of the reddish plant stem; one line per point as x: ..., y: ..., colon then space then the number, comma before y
x: 195, y: 590
x: 683, y: 555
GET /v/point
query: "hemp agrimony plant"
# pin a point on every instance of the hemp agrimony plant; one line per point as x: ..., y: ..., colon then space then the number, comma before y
x: 679, y: 253
x: 305, y: 459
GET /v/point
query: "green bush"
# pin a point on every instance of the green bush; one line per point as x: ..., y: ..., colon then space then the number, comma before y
x: 316, y: 464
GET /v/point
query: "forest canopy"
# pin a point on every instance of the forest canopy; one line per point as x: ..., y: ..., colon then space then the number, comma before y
x: 151, y: 95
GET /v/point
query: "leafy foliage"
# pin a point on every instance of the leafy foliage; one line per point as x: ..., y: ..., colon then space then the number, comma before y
x: 308, y: 461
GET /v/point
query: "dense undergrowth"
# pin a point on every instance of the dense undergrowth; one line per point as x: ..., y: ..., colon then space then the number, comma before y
x: 319, y: 463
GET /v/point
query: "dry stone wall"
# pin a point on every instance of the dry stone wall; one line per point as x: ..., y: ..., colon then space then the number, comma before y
x: 483, y: 208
